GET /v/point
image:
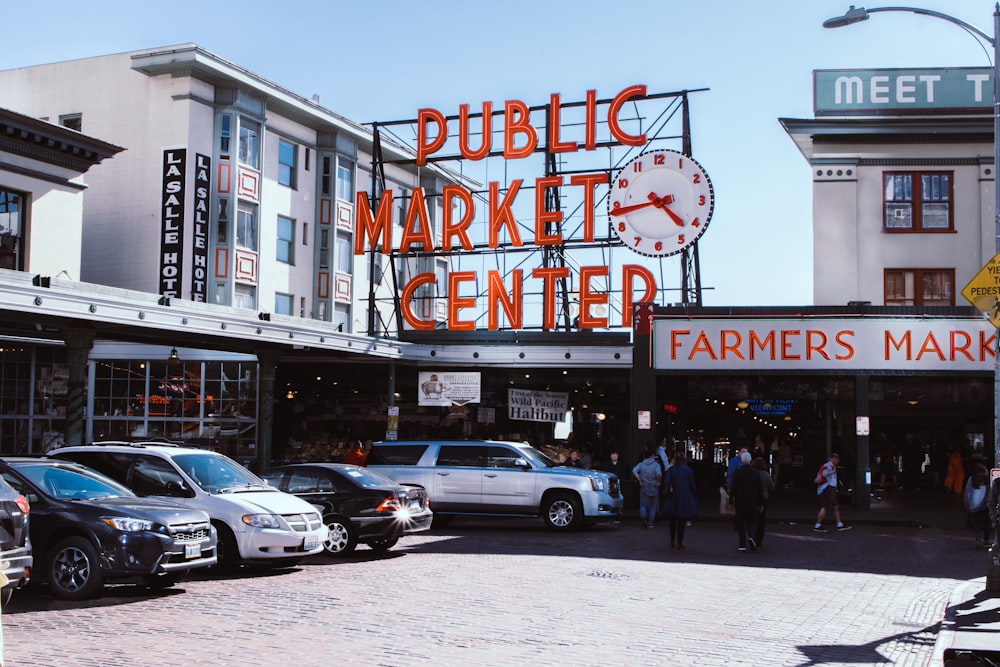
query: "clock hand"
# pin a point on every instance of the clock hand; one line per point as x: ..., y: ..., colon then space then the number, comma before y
x: 622, y: 210
x: 662, y: 204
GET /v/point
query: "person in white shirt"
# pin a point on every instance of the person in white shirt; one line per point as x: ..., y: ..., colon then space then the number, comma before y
x: 827, y: 492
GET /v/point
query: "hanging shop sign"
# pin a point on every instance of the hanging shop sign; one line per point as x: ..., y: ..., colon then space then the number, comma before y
x: 660, y: 204
x: 823, y: 344
x: 537, y: 406
x: 172, y: 221
x: 447, y: 389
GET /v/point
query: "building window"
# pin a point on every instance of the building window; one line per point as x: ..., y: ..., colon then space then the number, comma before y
x: 345, y: 252
x: 287, y: 153
x: 920, y: 287
x: 286, y: 240
x: 222, y: 294
x: 283, y: 304
x: 918, y: 201
x: 245, y: 296
x: 342, y: 317
x: 246, y: 227
x: 225, y: 134
x: 11, y: 212
x: 73, y: 121
x: 324, y: 249
x: 249, y: 142
x: 324, y: 178
x: 345, y: 180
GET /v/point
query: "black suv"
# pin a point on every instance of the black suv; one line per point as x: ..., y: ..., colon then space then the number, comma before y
x: 15, y: 547
x: 86, y: 529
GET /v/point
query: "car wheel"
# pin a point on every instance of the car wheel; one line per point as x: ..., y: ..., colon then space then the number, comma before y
x: 227, y: 551
x: 5, y: 595
x: 562, y: 512
x: 73, y: 571
x: 384, y: 544
x: 341, y: 539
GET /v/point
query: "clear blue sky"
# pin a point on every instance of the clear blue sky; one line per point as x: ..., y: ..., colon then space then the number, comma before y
x: 385, y: 60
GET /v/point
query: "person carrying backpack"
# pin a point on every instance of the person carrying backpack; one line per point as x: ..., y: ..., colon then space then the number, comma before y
x: 826, y: 489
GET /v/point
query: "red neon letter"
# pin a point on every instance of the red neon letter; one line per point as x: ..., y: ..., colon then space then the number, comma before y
x: 459, y: 229
x: 630, y: 271
x: 517, y: 120
x: 543, y: 217
x: 367, y: 227
x: 588, y: 298
x: 549, y: 275
x: 407, y: 296
x: 497, y: 293
x: 423, y: 148
x: 588, y: 181
x: 616, y: 131
x: 501, y: 214
x: 463, y: 132
x: 417, y: 209
x: 554, y: 145
x: 455, y: 302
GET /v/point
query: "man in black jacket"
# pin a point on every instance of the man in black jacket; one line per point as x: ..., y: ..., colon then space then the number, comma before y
x: 748, y: 493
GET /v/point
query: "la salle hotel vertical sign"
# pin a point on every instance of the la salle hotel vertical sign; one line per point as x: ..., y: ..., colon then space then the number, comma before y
x: 173, y: 221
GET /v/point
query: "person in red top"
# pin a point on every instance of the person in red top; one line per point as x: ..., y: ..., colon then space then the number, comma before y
x: 356, y: 456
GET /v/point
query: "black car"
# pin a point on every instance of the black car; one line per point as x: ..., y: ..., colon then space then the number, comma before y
x: 15, y: 546
x: 357, y: 504
x: 86, y: 529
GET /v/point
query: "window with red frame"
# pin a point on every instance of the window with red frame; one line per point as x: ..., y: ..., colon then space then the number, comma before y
x: 918, y: 201
x: 920, y: 287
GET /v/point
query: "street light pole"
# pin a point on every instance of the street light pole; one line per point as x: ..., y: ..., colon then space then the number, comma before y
x: 858, y: 14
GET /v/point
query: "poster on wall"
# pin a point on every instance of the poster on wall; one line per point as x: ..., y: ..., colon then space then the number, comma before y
x: 447, y: 389
x: 537, y: 406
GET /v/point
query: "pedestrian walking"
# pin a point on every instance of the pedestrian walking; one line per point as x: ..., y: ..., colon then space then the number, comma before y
x: 747, y: 493
x: 827, y: 492
x: 734, y: 463
x: 617, y: 466
x: 680, y: 501
x: 767, y: 488
x: 648, y: 473
x: 356, y: 455
x: 976, y: 498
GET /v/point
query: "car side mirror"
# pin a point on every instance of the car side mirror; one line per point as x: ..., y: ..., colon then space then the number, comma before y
x: 522, y: 463
x: 176, y: 489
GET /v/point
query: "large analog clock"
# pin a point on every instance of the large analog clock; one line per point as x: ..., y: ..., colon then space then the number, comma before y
x: 660, y: 203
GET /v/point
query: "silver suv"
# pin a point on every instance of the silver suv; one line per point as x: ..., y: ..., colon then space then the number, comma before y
x: 255, y: 521
x: 488, y: 477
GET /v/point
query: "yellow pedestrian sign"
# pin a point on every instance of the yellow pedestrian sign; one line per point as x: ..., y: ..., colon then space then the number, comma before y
x: 983, y: 291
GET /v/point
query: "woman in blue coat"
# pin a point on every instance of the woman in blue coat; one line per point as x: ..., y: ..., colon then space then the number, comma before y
x: 681, y: 503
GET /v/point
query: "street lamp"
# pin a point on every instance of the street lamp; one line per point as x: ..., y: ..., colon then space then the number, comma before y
x: 858, y: 14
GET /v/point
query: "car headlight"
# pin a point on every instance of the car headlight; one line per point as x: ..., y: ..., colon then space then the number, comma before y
x: 599, y: 483
x: 261, y: 520
x: 127, y: 524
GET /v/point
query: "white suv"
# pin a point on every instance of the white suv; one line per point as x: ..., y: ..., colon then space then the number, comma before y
x: 256, y: 522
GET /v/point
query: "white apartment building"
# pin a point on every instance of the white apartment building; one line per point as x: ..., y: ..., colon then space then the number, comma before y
x: 231, y: 190
x: 903, y: 177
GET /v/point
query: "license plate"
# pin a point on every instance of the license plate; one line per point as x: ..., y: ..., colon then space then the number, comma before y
x: 192, y: 550
x: 310, y: 543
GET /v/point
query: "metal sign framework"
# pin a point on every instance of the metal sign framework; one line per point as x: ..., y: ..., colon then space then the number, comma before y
x: 555, y: 165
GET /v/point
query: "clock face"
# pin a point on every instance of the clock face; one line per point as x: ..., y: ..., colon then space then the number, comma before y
x: 660, y: 203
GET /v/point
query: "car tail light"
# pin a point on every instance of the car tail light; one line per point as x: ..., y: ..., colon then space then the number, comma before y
x: 22, y: 504
x: 390, y: 504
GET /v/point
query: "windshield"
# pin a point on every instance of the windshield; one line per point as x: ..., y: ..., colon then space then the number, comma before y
x: 535, y: 457
x: 216, y: 473
x: 368, y: 479
x: 81, y: 482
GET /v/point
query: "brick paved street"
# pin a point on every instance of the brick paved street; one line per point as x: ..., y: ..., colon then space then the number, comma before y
x: 508, y: 592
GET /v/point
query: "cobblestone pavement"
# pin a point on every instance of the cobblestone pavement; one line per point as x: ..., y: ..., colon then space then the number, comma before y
x: 508, y: 592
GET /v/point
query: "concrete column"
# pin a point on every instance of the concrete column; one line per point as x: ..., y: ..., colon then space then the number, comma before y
x: 862, y: 472
x: 79, y: 342
x: 267, y: 364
